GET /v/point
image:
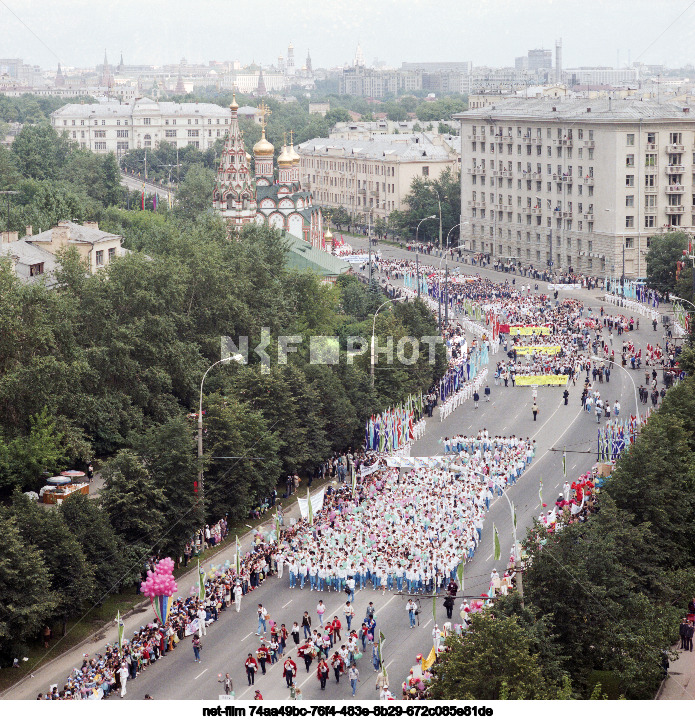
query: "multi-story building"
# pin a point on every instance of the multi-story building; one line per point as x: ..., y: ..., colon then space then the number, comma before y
x: 112, y: 127
x: 371, y: 175
x: 601, y: 76
x: 577, y: 183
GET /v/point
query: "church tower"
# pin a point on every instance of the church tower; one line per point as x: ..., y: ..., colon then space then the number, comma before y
x: 260, y: 90
x: 284, y: 168
x: 308, y: 62
x: 60, y: 78
x: 295, y: 163
x: 263, y: 152
x: 106, y: 77
x: 234, y: 197
x: 290, y: 59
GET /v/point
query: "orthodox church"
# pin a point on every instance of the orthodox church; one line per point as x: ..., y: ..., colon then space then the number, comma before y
x: 242, y: 197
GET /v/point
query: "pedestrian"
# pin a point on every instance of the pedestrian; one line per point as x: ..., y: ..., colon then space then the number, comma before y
x: 689, y: 637
x: 354, y: 676
x: 566, y: 396
x: 257, y: 695
x: 534, y: 410
x: 322, y: 673
x: 487, y: 392
x: 306, y: 624
x: 262, y: 655
x: 349, y: 614
x: 238, y: 593
x: 227, y: 684
x: 476, y: 398
x: 295, y: 633
x: 123, y: 678
x: 251, y: 667
x: 411, y: 608
x: 196, y: 647
x: 262, y: 617
x: 320, y: 611
x: 682, y: 632
x: 289, y: 670
x: 202, y: 617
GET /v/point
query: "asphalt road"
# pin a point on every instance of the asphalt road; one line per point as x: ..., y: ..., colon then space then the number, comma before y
x: 230, y: 639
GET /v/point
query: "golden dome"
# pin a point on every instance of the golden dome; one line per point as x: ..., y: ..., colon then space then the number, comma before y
x: 284, y: 159
x: 248, y: 158
x: 263, y: 148
x: 293, y: 155
x: 328, y: 236
x: 234, y: 106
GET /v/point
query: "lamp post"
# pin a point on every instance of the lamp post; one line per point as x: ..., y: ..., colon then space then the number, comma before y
x: 617, y: 365
x: 439, y: 201
x: 417, y: 261
x: 201, y: 487
x: 373, y: 355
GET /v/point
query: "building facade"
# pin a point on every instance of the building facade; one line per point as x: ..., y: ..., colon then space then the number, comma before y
x: 371, y: 176
x: 576, y: 183
x: 144, y: 123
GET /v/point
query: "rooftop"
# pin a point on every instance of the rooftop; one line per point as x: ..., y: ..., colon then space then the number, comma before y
x: 304, y: 256
x: 402, y: 147
x: 581, y: 109
x: 76, y: 234
x: 140, y: 105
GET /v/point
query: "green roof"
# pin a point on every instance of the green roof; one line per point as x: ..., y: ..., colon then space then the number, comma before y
x: 304, y: 256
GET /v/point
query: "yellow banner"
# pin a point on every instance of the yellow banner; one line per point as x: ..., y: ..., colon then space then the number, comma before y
x: 541, y: 380
x: 528, y: 330
x: 528, y: 349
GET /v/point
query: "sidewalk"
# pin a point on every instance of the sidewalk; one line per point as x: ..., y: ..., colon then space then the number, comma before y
x: 56, y: 670
x: 679, y: 684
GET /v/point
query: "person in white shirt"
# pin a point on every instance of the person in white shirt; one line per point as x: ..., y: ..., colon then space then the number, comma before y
x: 123, y: 677
x: 320, y: 610
x: 202, y: 615
x: 237, y: 596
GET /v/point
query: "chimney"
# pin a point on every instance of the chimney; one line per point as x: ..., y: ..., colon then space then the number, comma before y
x: 92, y: 224
x: 9, y: 236
x: 60, y: 236
x: 29, y: 230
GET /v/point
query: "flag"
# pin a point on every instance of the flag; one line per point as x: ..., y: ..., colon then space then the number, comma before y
x: 277, y: 526
x: 459, y: 574
x: 201, y: 582
x: 564, y: 463
x: 434, y: 608
x: 121, y: 630
x: 354, y: 479
x: 238, y: 557
x: 142, y: 198
x: 311, y: 510
x: 540, y: 492
x: 154, y: 201
x: 169, y: 200
x: 514, y: 515
x: 496, y: 552
x: 429, y: 661
x: 382, y: 638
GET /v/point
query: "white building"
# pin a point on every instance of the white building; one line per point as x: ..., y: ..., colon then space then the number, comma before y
x: 577, y: 183
x: 371, y: 175
x: 112, y: 127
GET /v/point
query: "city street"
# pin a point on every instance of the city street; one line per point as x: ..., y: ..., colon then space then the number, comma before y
x: 229, y: 640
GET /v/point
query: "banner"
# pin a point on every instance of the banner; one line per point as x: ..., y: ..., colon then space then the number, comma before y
x: 564, y: 286
x: 542, y: 380
x: 368, y: 470
x: 529, y: 349
x: 193, y: 627
x: 355, y: 258
x: 316, y: 504
x: 527, y: 330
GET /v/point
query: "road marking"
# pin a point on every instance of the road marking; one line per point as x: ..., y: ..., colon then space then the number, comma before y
x: 247, y: 635
x: 288, y: 603
x: 489, y: 557
x: 199, y: 675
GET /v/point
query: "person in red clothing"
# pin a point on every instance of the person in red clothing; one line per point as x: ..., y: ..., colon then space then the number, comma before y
x: 262, y: 656
x: 322, y: 673
x: 251, y: 667
x: 289, y: 671
x: 336, y: 626
x: 283, y: 633
x: 257, y: 695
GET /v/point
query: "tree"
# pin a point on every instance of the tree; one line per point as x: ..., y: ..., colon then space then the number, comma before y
x: 40, y: 152
x: 26, y: 597
x: 495, y: 657
x: 194, y: 195
x: 395, y: 112
x: 133, y: 502
x: 664, y: 253
x: 337, y: 115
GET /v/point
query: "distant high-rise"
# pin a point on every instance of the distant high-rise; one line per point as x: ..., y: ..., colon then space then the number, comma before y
x: 308, y: 61
x: 290, y: 59
x: 359, y: 58
x: 534, y: 60
x: 558, y: 61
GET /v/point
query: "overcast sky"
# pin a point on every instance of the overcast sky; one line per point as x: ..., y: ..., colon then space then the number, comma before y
x: 488, y: 32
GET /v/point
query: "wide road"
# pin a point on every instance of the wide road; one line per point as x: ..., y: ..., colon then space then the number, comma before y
x: 133, y: 183
x: 229, y: 640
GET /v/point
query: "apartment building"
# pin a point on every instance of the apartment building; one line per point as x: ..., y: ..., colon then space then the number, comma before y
x: 371, y: 175
x: 576, y: 183
x: 144, y: 123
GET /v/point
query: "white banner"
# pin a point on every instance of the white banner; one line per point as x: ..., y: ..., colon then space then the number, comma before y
x: 316, y: 504
x: 564, y: 286
x: 355, y: 258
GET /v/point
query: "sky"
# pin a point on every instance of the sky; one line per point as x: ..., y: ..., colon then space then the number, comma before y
x: 487, y: 32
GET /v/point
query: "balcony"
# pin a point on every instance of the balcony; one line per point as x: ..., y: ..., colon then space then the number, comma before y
x: 566, y: 213
x: 588, y: 180
x: 567, y: 142
x: 362, y: 191
x: 567, y: 178
x: 589, y: 143
x: 675, y: 169
x: 676, y: 188
x: 650, y: 146
x: 535, y: 211
x: 673, y: 209
x: 557, y: 213
x: 588, y: 216
x: 675, y: 148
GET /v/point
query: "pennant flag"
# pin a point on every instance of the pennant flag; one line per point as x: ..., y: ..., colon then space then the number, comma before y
x: 564, y: 463
x: 514, y: 515
x: 459, y: 574
x: 496, y: 552
x: 382, y: 638
x: 354, y: 479
x: 434, y: 608
x: 238, y: 557
x: 154, y: 201
x: 121, y: 630
x: 277, y: 526
x: 311, y: 510
x: 201, y: 582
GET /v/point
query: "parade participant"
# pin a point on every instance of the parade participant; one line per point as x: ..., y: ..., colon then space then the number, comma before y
x: 289, y: 670
x: 322, y: 673
x: 251, y: 666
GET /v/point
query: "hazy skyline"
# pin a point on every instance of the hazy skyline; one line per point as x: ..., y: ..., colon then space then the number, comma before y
x: 76, y: 32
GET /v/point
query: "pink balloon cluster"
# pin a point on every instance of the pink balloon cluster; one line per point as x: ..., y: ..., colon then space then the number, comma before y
x: 161, y: 582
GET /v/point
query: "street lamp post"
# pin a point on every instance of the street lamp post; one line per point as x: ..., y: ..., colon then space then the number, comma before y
x: 201, y: 487
x: 417, y: 261
x: 439, y: 201
x: 617, y: 365
x: 373, y: 355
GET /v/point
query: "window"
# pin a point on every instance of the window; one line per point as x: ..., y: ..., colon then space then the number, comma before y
x: 630, y: 221
x: 36, y: 269
x: 170, y: 133
x: 650, y: 160
x: 650, y: 181
x: 629, y: 201
x: 120, y: 146
x: 103, y: 122
x: 651, y: 138
x: 100, y: 257
x: 99, y: 133
x: 629, y: 243
x: 146, y: 121
x: 675, y: 139
x: 629, y: 181
x: 112, y: 254
x: 591, y: 135
x: 630, y: 161
x: 99, y: 146
x: 121, y: 133
x: 81, y: 122
x: 426, y: 170
x: 193, y: 133
x: 194, y: 143
x: 649, y: 221
x: 630, y: 139
x: 650, y: 201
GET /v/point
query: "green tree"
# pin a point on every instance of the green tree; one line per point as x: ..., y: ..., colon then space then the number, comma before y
x: 337, y: 115
x: 194, y: 195
x: 40, y: 152
x: 494, y: 658
x: 26, y: 597
x: 664, y: 253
